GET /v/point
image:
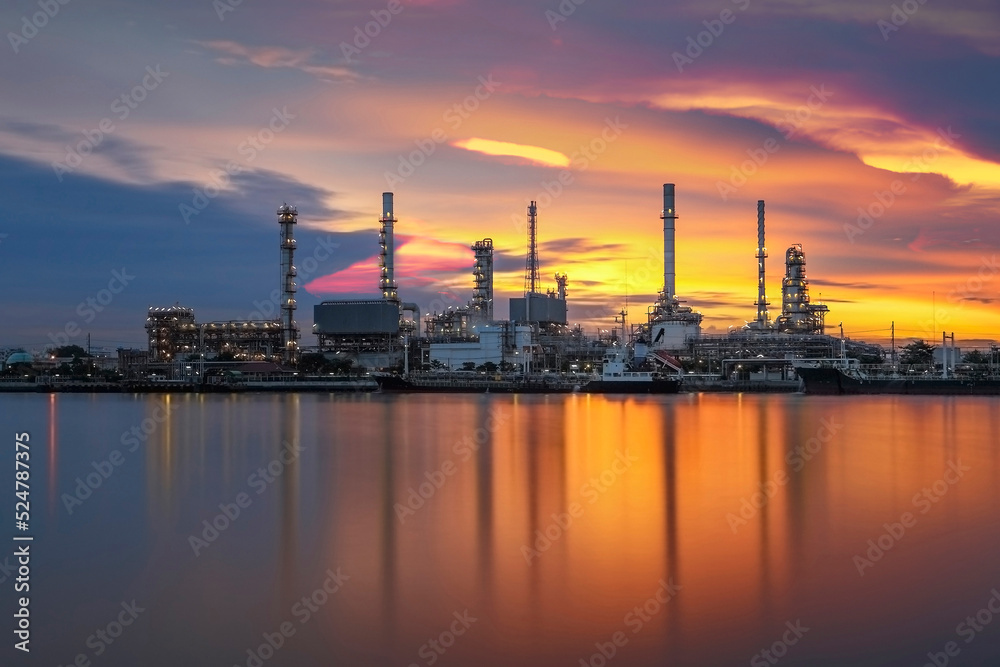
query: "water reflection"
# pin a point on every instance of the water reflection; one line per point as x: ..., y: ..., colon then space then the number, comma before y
x: 438, y: 504
x: 288, y: 440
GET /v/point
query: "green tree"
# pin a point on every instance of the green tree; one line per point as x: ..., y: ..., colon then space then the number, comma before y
x: 341, y: 366
x: 975, y: 357
x: 74, y: 351
x: 918, y: 353
x: 313, y: 363
x: 469, y: 366
x: 866, y: 358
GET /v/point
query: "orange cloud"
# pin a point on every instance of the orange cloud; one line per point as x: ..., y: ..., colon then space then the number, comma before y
x: 534, y: 154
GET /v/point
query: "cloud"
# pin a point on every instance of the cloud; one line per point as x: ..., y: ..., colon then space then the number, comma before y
x: 86, y: 227
x: 271, y: 57
x: 578, y: 246
x: 129, y: 157
x: 851, y: 285
x: 535, y: 154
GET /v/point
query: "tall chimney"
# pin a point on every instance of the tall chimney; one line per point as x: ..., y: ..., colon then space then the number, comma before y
x: 762, y: 304
x: 387, y: 282
x: 668, y: 216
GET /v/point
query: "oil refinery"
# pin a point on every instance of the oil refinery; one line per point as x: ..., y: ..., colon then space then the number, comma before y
x: 468, y: 348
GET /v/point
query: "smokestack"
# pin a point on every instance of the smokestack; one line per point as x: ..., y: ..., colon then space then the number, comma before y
x: 387, y: 281
x: 668, y: 216
x: 762, y: 304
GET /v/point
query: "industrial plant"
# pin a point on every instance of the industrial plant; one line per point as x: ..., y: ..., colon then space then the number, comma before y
x: 468, y: 346
x: 174, y: 334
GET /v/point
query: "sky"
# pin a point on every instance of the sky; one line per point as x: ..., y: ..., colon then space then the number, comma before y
x: 145, y: 147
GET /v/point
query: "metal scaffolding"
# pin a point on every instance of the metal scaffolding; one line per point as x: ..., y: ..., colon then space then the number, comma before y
x: 798, y: 315
x: 482, y: 272
x: 531, y: 280
x: 287, y: 218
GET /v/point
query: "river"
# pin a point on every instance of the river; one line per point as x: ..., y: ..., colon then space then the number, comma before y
x: 693, y: 529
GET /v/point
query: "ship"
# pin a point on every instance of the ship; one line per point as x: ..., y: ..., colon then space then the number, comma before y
x: 619, y: 377
x: 841, y: 379
x: 470, y: 383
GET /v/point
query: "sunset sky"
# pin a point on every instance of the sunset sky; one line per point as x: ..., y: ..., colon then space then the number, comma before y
x: 872, y: 133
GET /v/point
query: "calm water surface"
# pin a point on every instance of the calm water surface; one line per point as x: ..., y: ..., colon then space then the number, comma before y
x: 559, y: 524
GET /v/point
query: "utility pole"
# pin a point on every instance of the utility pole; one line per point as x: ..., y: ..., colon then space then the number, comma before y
x: 620, y: 319
x: 201, y: 349
x: 406, y: 354
x: 893, y: 357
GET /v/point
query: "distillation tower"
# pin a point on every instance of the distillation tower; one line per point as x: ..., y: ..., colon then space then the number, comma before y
x: 287, y: 218
x: 387, y: 221
x: 763, y: 321
x: 482, y: 295
x: 798, y: 314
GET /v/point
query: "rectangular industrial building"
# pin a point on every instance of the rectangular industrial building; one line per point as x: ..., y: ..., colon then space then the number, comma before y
x: 538, y: 308
x: 340, y: 318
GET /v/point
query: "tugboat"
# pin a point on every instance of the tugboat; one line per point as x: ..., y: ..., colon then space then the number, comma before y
x: 618, y: 377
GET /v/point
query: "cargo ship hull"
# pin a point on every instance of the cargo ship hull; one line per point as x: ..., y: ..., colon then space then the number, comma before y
x: 396, y: 383
x: 654, y: 386
x: 834, y: 381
